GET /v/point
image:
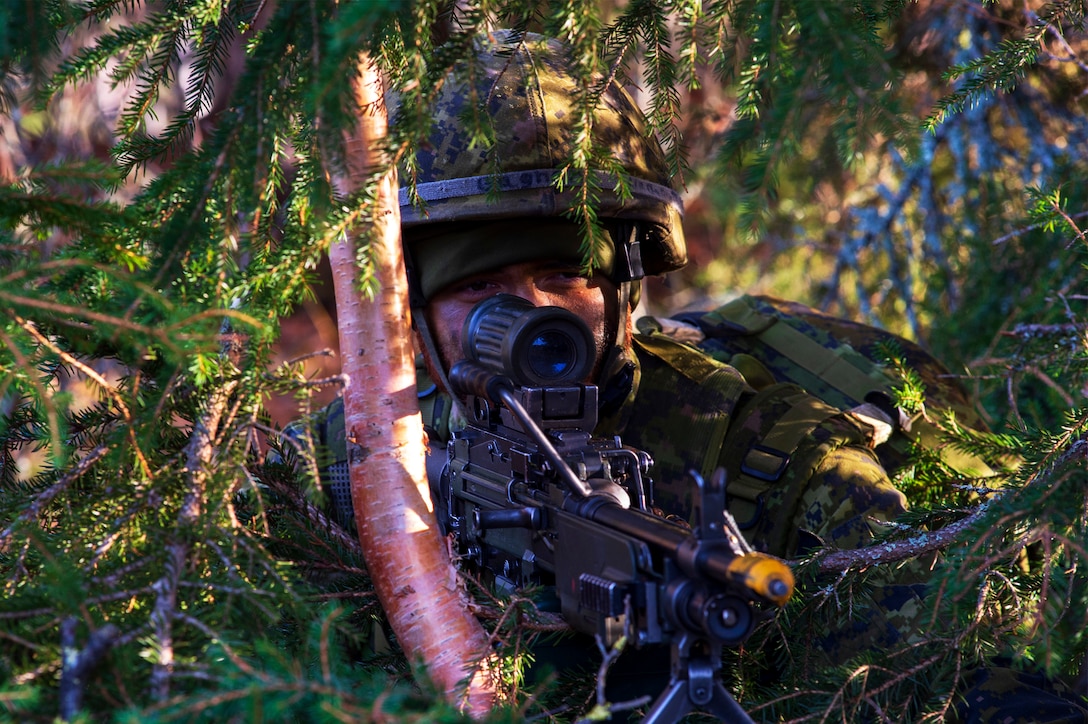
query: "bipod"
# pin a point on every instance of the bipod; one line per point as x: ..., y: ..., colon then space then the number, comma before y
x: 695, y: 685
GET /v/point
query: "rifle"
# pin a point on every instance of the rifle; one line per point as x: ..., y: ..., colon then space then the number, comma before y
x: 532, y: 498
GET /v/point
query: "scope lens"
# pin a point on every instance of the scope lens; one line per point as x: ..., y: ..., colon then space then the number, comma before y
x: 548, y: 346
x: 552, y: 355
x: 533, y: 346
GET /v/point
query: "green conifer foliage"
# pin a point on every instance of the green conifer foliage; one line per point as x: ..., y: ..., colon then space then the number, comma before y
x: 921, y: 165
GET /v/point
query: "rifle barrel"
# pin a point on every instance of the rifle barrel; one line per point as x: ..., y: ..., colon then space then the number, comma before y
x: 764, y: 576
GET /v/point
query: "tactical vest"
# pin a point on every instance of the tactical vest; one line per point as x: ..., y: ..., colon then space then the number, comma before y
x: 836, y: 360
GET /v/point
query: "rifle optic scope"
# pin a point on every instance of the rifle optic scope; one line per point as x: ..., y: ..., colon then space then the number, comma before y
x: 532, y: 346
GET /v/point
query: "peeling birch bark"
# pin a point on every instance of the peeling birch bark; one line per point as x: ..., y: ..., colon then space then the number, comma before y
x: 415, y: 581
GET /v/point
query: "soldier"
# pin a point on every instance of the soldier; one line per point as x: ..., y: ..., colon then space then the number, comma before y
x: 801, y: 473
x: 494, y: 223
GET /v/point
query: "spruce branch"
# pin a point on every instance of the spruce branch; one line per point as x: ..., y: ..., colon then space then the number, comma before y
x: 895, y: 679
x: 212, y: 635
x: 34, y: 510
x: 198, y: 458
x: 185, y: 708
x: 317, y: 517
x: 1054, y: 29
x: 167, y: 336
x: 20, y: 641
x: 521, y: 609
x: 342, y: 595
x: 102, y: 383
x: 838, y: 561
x: 43, y: 392
x: 77, y: 664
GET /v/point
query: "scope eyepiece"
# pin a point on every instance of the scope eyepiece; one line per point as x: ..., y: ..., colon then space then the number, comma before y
x: 533, y: 346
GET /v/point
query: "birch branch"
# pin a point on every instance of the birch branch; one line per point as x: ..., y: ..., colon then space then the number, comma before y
x: 416, y: 583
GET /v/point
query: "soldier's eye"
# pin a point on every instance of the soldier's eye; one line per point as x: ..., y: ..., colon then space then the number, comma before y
x: 480, y: 285
x: 574, y: 276
x: 474, y: 289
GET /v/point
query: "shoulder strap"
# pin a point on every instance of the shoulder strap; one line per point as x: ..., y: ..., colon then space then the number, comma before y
x: 772, y: 340
x: 764, y: 443
x: 852, y: 375
x: 688, y: 361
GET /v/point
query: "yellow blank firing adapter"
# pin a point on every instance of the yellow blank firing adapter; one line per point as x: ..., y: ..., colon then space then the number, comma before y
x: 766, y: 576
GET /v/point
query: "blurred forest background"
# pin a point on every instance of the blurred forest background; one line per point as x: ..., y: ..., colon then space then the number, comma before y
x: 165, y: 215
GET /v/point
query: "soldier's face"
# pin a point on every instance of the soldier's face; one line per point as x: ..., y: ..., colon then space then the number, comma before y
x: 544, y: 283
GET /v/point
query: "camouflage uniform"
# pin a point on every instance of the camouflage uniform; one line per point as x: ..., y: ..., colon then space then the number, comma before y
x: 839, y: 361
x: 794, y: 465
x: 693, y: 412
x: 801, y: 472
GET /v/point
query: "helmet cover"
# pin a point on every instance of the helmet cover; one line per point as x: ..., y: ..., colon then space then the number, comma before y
x: 524, y: 84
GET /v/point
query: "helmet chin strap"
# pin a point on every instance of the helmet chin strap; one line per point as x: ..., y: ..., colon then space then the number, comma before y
x: 627, y: 273
x: 616, y: 357
x: 430, y: 352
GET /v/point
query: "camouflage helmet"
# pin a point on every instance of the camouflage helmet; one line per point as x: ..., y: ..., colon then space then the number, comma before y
x: 524, y: 83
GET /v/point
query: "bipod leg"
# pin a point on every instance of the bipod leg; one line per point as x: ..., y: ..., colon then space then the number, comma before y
x: 696, y: 687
